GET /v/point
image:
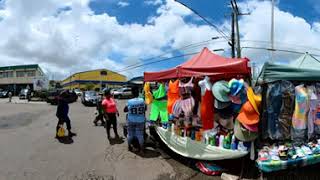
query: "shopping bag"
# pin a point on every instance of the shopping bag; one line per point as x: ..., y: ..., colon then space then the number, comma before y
x: 61, y: 131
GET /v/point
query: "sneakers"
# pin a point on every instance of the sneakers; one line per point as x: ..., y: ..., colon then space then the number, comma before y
x: 70, y: 134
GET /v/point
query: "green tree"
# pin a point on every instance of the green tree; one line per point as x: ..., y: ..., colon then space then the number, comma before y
x: 89, y: 86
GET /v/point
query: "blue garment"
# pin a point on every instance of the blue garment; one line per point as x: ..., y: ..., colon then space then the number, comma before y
x: 62, y: 109
x: 136, y: 110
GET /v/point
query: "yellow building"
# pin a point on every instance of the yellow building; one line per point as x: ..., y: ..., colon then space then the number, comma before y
x: 94, y: 80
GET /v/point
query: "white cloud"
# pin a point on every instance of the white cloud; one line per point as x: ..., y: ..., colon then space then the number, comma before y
x: 123, y: 3
x: 77, y: 39
x: 153, y: 2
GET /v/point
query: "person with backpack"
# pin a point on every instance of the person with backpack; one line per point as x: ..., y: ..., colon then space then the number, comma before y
x: 99, y: 113
x: 136, y: 109
x: 110, y: 112
x: 62, y: 113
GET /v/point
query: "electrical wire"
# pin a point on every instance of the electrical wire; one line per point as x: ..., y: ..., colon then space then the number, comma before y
x: 281, y: 50
x: 204, y: 19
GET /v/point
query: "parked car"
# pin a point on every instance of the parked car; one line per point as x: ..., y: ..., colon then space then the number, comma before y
x: 78, y: 92
x: 89, y: 98
x: 24, y: 93
x: 122, y: 93
x: 4, y: 94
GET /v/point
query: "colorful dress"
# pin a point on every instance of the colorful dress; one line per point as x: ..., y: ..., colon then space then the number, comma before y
x: 173, y: 94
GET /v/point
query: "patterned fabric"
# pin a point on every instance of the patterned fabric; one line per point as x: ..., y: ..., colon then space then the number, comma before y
x: 184, y: 106
x: 299, y: 119
x: 312, y: 111
x: 271, y: 166
x: 186, y: 88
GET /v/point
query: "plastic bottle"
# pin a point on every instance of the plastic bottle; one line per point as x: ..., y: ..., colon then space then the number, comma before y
x: 233, y: 143
x: 221, y: 139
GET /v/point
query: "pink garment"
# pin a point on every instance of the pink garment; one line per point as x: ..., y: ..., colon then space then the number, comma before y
x: 109, y: 105
x: 184, y: 106
x: 185, y: 88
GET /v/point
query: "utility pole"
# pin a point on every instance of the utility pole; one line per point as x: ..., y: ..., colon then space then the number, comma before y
x: 233, y: 55
x: 272, y: 30
x: 235, y: 19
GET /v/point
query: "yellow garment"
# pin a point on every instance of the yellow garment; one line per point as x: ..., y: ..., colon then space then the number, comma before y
x: 147, y: 94
x: 60, y: 132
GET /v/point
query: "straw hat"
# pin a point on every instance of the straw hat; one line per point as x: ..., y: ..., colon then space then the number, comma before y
x: 235, y: 86
x: 252, y: 128
x: 242, y: 133
x: 248, y: 115
x: 254, y: 99
x: 221, y: 91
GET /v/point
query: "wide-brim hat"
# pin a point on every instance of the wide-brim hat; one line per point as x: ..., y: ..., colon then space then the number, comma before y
x: 242, y: 133
x: 221, y: 91
x: 221, y: 105
x: 248, y: 115
x: 226, y: 122
x: 235, y: 86
x: 254, y: 99
x: 252, y: 128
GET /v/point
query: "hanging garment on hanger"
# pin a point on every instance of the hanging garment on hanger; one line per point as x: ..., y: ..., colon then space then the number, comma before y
x: 173, y: 94
x: 206, y: 106
x: 313, y: 101
x: 299, y: 119
x: 147, y: 93
x: 207, y: 110
x: 186, y: 89
x: 286, y: 111
x: 159, y: 105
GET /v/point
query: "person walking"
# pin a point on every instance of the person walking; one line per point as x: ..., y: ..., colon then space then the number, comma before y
x: 62, y: 113
x: 10, y: 96
x: 100, y: 112
x: 111, y: 112
x: 136, y: 109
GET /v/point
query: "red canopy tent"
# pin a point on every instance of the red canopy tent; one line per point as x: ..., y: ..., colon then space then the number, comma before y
x: 205, y: 63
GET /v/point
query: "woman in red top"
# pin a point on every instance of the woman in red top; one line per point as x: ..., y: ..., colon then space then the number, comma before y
x: 111, y: 112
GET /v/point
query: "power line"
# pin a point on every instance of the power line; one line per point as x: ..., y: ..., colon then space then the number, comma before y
x: 190, y: 46
x: 281, y: 50
x: 204, y: 19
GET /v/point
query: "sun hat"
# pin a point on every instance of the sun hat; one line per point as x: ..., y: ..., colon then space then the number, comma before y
x: 248, y: 115
x: 226, y: 122
x: 235, y: 86
x: 252, y: 128
x: 254, y: 99
x: 221, y: 105
x: 242, y: 133
x: 221, y: 91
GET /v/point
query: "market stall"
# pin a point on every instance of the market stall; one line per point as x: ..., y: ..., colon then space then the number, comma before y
x: 290, y: 115
x: 203, y: 109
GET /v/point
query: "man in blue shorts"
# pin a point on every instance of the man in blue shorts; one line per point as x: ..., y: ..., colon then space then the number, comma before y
x: 136, y: 109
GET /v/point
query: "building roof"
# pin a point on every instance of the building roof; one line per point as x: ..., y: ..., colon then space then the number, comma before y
x: 92, y: 71
x: 28, y: 66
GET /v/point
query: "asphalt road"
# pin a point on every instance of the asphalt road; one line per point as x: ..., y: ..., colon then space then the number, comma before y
x: 30, y: 151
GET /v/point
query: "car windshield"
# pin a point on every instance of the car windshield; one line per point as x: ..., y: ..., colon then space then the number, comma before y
x: 91, y: 93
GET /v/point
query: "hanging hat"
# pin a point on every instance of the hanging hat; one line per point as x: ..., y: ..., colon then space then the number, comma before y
x: 221, y: 105
x: 221, y: 91
x: 254, y: 99
x: 252, y: 128
x: 248, y: 115
x: 242, y: 133
x: 225, y: 117
x: 235, y: 86
x: 226, y: 122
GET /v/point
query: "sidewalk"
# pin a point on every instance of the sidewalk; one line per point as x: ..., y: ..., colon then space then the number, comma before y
x: 16, y: 100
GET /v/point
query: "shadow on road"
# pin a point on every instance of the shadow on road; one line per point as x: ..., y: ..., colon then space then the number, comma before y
x: 65, y: 140
x: 114, y: 141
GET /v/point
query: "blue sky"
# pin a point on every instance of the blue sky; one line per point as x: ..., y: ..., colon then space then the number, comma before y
x: 216, y: 11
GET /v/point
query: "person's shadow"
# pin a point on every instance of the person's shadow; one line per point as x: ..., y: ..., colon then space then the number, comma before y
x: 115, y: 140
x: 65, y: 140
